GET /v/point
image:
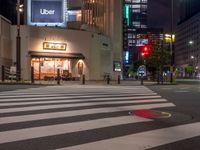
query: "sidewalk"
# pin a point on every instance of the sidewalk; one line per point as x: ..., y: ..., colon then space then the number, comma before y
x: 112, y: 83
x: 97, y: 82
x: 188, y: 81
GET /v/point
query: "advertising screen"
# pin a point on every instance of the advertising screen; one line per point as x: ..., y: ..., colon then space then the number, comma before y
x: 46, y: 11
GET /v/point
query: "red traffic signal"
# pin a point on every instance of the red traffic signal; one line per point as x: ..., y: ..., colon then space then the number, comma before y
x: 145, y: 51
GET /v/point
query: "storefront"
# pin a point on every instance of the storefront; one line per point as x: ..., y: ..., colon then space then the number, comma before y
x: 46, y: 65
x: 73, y: 52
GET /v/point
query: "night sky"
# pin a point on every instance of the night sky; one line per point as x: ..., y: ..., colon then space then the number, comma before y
x: 159, y: 13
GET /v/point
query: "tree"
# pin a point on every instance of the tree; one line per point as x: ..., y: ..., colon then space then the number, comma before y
x: 190, y: 70
x: 133, y: 68
x: 157, y: 59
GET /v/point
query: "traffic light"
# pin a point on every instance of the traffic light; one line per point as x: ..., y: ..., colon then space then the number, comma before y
x: 145, y: 51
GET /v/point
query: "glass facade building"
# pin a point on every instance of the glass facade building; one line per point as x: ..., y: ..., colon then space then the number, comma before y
x: 187, y: 45
x: 134, y: 18
x: 188, y: 8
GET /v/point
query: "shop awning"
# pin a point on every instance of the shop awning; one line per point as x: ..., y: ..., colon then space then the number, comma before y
x: 35, y: 54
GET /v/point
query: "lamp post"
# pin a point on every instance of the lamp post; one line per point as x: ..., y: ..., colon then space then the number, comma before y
x: 18, y: 42
x: 172, y: 45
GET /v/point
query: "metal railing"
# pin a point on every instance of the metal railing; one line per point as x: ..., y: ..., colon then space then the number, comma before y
x: 8, y: 75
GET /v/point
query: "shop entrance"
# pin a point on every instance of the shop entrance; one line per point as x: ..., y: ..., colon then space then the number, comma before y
x: 46, y: 68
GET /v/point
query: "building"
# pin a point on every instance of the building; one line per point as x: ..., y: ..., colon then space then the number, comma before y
x: 8, y: 10
x: 134, y: 18
x: 90, y: 45
x: 187, y: 46
x: 188, y: 8
x: 151, y: 36
x: 5, y: 42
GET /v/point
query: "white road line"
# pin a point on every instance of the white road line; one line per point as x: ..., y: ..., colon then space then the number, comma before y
x: 5, y: 120
x: 78, y: 98
x: 144, y: 140
x: 19, y: 95
x: 9, y: 110
x: 58, y: 89
x: 123, y: 99
x: 14, y: 119
x: 37, y: 132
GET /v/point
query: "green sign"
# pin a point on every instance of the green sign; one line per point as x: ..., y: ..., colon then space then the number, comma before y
x: 117, y: 66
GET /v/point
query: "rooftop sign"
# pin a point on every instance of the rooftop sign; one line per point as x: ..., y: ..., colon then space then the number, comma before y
x: 47, y: 12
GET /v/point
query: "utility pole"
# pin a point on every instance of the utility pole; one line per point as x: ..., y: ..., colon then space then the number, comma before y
x: 18, y: 44
x: 172, y: 45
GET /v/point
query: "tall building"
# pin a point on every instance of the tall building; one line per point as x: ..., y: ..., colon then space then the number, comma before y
x: 8, y: 10
x: 187, y: 45
x: 134, y: 18
x: 105, y: 18
x: 188, y: 8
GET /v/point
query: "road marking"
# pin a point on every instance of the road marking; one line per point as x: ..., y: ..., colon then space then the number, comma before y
x: 37, y: 132
x: 9, y: 110
x: 144, y: 140
x: 123, y: 99
x: 78, y: 98
x: 15, y: 119
x: 22, y: 94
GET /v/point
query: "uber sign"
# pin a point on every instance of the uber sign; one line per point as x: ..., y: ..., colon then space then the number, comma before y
x: 49, y: 11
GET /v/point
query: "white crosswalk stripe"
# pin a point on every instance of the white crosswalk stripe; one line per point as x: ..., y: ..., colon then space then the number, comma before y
x: 144, y: 140
x: 30, y: 114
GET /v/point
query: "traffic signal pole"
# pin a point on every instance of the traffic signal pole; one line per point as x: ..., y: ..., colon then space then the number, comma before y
x: 172, y: 46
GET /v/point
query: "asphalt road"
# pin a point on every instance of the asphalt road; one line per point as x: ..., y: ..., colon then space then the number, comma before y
x: 13, y: 87
x: 99, y: 117
x: 186, y: 97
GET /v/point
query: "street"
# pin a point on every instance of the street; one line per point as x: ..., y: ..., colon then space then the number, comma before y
x: 99, y: 117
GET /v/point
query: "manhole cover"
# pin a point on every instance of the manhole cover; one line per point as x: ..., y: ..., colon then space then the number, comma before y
x: 151, y: 114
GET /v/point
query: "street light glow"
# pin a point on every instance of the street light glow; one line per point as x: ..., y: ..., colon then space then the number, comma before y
x: 191, y: 42
x: 21, y: 8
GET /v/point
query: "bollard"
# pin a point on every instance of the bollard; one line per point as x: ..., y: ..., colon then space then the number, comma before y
x: 108, y: 79
x: 2, y: 73
x: 83, y: 80
x: 58, y: 76
x: 118, y: 79
x: 32, y: 75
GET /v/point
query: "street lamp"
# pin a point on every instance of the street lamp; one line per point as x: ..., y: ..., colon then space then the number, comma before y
x: 191, y: 42
x: 172, y: 45
x: 19, y: 9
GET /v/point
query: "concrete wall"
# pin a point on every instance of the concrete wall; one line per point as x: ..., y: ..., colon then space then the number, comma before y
x: 116, y: 22
x: 89, y: 44
x: 5, y: 42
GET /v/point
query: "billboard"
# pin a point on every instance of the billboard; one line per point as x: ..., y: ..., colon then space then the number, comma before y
x: 47, y: 12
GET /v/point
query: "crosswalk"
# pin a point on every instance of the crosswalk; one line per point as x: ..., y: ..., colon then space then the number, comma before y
x: 81, y: 118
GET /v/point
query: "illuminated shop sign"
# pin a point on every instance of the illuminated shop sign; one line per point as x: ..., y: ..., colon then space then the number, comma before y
x: 47, y: 12
x: 54, y: 46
